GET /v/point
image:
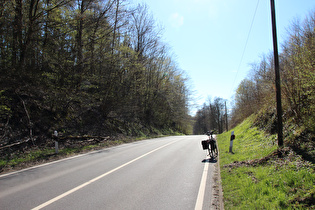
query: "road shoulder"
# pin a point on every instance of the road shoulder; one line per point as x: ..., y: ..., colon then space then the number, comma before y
x: 217, y: 192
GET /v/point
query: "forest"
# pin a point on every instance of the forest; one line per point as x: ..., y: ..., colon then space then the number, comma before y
x: 256, y: 93
x: 86, y: 67
x: 212, y: 116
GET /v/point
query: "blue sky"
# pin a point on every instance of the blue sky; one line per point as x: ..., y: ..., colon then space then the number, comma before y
x: 208, y: 38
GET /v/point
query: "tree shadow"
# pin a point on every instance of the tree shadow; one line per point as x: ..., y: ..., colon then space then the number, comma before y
x: 305, y: 153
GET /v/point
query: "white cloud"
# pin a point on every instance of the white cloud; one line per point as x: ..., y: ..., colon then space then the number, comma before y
x: 176, y: 20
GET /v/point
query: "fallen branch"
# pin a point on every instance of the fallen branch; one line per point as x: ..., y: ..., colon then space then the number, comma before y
x: 64, y: 138
x: 90, y: 138
x: 15, y: 144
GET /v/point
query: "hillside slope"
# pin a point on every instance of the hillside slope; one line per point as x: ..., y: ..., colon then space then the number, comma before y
x: 258, y: 175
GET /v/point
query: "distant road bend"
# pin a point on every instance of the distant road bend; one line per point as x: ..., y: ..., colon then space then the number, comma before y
x: 162, y: 173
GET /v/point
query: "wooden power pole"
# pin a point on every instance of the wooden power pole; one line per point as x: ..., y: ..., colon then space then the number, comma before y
x: 277, y: 72
x: 226, y: 118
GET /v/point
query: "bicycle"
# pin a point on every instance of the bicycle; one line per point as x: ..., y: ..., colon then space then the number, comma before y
x: 210, y: 144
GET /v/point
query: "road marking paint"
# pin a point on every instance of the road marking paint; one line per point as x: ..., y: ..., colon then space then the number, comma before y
x: 97, y: 178
x: 50, y: 163
x: 57, y: 161
x: 201, y: 193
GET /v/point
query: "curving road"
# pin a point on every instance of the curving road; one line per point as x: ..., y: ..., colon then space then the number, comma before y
x: 162, y: 173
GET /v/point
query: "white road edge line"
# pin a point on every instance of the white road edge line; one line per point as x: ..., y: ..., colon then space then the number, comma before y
x: 201, y: 193
x: 50, y: 163
x: 97, y: 178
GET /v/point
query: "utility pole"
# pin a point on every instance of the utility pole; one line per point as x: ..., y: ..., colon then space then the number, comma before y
x: 277, y: 72
x: 226, y: 118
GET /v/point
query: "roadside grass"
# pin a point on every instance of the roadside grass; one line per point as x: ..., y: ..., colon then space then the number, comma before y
x: 250, y: 143
x: 37, y: 155
x: 34, y: 156
x: 277, y: 183
x: 19, y: 158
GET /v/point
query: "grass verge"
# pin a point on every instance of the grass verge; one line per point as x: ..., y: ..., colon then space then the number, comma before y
x: 30, y: 156
x: 257, y: 175
x: 34, y: 155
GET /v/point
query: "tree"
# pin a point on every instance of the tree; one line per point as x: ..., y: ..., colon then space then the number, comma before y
x: 77, y: 65
x: 211, y: 117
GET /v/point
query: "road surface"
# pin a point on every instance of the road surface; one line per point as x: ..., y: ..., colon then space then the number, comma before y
x: 163, y: 173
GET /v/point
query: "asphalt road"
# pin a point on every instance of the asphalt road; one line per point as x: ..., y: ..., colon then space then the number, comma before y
x: 162, y: 173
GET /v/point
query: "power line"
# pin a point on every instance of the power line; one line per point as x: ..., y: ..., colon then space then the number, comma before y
x: 250, y: 29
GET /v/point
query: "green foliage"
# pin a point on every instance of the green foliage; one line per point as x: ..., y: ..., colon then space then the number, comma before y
x: 256, y: 93
x: 285, y: 183
x: 5, y: 110
x: 79, y: 68
x: 14, y: 159
x: 247, y: 142
x: 211, y: 117
x: 266, y: 187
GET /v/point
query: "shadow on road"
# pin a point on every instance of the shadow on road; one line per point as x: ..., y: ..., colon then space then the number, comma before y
x: 209, y: 160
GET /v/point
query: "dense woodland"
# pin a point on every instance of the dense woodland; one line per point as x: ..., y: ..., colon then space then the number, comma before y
x: 212, y: 116
x: 256, y: 94
x: 86, y: 67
